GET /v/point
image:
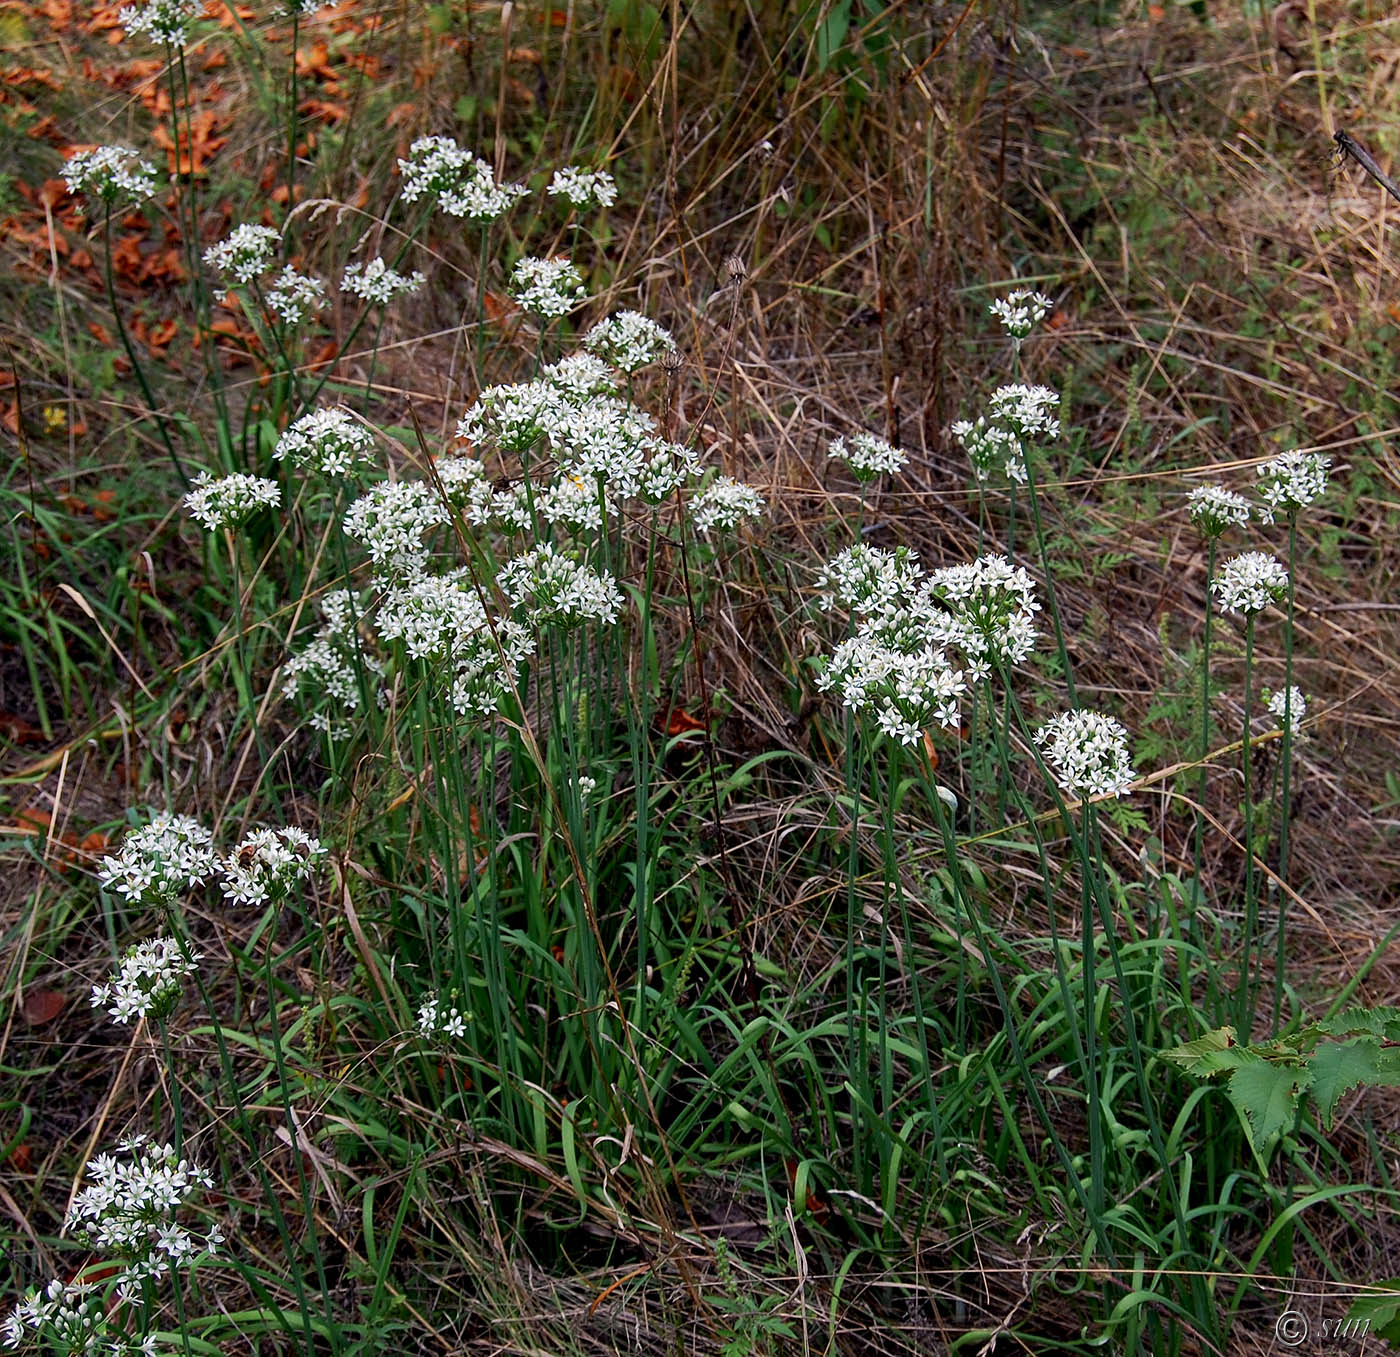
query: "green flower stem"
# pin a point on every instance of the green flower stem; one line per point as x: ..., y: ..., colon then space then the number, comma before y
x: 135, y: 362
x: 1244, y: 1018
x: 1286, y: 806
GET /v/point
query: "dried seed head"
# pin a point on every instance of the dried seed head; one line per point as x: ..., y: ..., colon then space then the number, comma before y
x: 735, y: 270
x: 672, y: 362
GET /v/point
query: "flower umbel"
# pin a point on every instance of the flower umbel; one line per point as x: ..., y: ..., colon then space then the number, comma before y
x: 1028, y: 411
x: 583, y: 187
x: 1214, y: 509
x: 267, y: 863
x: 111, y: 173
x: 1249, y: 583
x: 439, y: 1019
x: 294, y: 296
x: 550, y: 589
x: 866, y: 455
x: 332, y: 441
x: 1088, y: 753
x: 1291, y: 482
x: 375, y: 282
x: 230, y: 501
x: 148, y: 982
x: 989, y: 448
x: 629, y: 340
x: 246, y: 253
x: 1289, y: 704
x: 1021, y: 311
x: 724, y: 504
x: 161, y: 860
x: 166, y: 21
x: 130, y: 1210
x: 546, y: 287
x: 995, y: 604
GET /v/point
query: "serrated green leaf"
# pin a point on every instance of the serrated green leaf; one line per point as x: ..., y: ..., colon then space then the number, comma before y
x: 1211, y: 1054
x: 1338, y: 1066
x: 1381, y: 1023
x: 1267, y: 1097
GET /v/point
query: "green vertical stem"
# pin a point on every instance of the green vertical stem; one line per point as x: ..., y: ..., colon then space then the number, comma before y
x: 1091, y: 1041
x: 1286, y: 807
x: 1039, y: 524
x: 1193, y: 924
x: 308, y: 1206
x: 131, y: 351
x: 1244, y: 1021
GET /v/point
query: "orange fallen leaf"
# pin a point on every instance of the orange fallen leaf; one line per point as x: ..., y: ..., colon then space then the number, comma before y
x: 315, y: 61
x: 681, y: 722
x: 43, y: 1006
x: 19, y: 731
x: 22, y: 1158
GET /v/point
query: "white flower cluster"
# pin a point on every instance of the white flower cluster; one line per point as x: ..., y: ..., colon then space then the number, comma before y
x: 378, y: 284
x: 724, y: 504
x: 546, y: 287
x: 175, y: 853
x: 230, y: 501
x: 293, y: 296
x: 1028, y: 411
x: 580, y: 376
x: 895, y: 666
x: 1214, y: 510
x: 72, y: 1317
x: 629, y: 340
x: 989, y: 447
x: 866, y: 455
x: 907, y: 691
x: 390, y: 519
x: 246, y: 252
x: 332, y: 441
x: 995, y: 604
x: 1016, y: 414
x: 1291, y: 482
x: 161, y: 860
x: 130, y: 1209
x: 331, y: 665
x: 606, y: 450
x: 436, y: 1019
x: 166, y: 21
x: 467, y: 487
x: 1021, y: 311
x: 267, y: 863
x: 464, y: 185
x: 586, y: 786
x: 1088, y: 753
x: 551, y: 589
x: 583, y: 187
x: 875, y: 585
x: 1288, y: 704
x: 513, y: 417
x: 148, y: 982
x: 1249, y: 583
x: 109, y: 173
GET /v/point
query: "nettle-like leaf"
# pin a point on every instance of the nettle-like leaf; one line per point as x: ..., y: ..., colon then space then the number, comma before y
x: 1266, y: 1097
x: 1340, y: 1066
x: 1268, y: 1080
x: 1381, y: 1023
